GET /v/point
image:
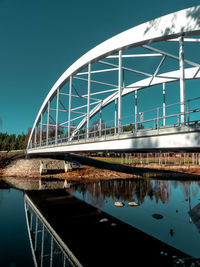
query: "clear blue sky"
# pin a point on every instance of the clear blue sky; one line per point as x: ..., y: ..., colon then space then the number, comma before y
x: 40, y: 39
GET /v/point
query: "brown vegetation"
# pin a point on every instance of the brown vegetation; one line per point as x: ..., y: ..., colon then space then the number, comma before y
x: 88, y: 173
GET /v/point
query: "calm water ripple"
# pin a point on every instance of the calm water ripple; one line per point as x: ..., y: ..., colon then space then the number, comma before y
x: 178, y: 203
x: 167, y: 210
x: 14, y: 242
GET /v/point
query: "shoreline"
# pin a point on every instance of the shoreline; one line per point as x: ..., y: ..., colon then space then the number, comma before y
x: 94, y: 169
x: 24, y: 174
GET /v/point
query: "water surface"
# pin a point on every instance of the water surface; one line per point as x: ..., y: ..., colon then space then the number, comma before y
x: 177, y: 201
x: 14, y: 243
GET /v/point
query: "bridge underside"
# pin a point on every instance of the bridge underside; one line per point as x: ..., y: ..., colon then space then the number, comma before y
x: 181, y: 138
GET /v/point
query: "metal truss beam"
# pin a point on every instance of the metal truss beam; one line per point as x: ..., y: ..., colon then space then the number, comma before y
x: 97, y: 82
x: 125, y: 68
x: 83, y: 106
x: 95, y: 71
x: 157, y: 69
x: 137, y: 55
x: 171, y: 55
x: 60, y: 110
x: 103, y: 92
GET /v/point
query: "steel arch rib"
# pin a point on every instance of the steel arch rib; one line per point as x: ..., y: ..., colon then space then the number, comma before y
x: 184, y: 22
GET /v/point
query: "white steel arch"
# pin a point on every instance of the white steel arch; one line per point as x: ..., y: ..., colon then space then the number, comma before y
x: 179, y: 25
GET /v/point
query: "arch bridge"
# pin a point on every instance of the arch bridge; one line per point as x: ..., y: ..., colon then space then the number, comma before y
x: 138, y: 90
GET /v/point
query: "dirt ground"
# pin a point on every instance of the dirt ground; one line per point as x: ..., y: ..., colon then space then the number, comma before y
x: 92, y: 173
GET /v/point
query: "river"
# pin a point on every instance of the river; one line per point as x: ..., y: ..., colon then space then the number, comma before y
x: 166, y: 210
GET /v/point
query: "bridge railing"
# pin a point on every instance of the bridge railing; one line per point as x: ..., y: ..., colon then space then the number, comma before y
x: 48, y: 249
x: 144, y: 121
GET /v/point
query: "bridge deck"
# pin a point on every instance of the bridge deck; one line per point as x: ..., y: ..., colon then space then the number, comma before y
x: 185, y: 137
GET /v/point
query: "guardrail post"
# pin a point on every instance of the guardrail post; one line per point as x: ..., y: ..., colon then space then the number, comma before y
x: 178, y: 119
x: 42, y: 247
x: 47, y: 132
x: 182, y: 79
x: 88, y: 101
x: 41, y: 117
x: 188, y: 111
x: 35, y: 138
x: 100, y: 123
x: 69, y: 109
x: 36, y: 233
x: 119, y: 91
x: 164, y: 113
x: 57, y: 105
x: 51, y: 255
x: 136, y: 111
x: 158, y: 117
x: 115, y: 116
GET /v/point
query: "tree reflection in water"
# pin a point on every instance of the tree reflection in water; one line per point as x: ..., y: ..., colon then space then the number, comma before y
x: 168, y: 210
x: 135, y: 190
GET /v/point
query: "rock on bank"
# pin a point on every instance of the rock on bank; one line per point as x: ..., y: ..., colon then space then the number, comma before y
x: 32, y: 167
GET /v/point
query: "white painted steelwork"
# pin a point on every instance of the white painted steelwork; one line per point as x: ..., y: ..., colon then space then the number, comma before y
x: 66, y: 254
x: 179, y: 138
x: 173, y: 27
x: 190, y: 73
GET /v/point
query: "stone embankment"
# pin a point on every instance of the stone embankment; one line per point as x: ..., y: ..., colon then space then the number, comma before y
x: 52, y: 168
x: 32, y: 167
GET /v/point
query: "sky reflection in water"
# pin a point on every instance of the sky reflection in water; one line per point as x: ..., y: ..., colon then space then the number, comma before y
x: 174, y: 200
x: 14, y: 243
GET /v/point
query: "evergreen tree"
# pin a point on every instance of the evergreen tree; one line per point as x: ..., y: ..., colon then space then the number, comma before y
x: 12, y: 142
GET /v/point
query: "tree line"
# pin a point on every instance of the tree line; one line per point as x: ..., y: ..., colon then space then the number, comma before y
x: 12, y: 141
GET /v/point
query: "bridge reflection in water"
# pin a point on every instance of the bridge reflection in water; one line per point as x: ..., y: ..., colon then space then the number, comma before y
x: 47, y: 247
x: 66, y: 231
